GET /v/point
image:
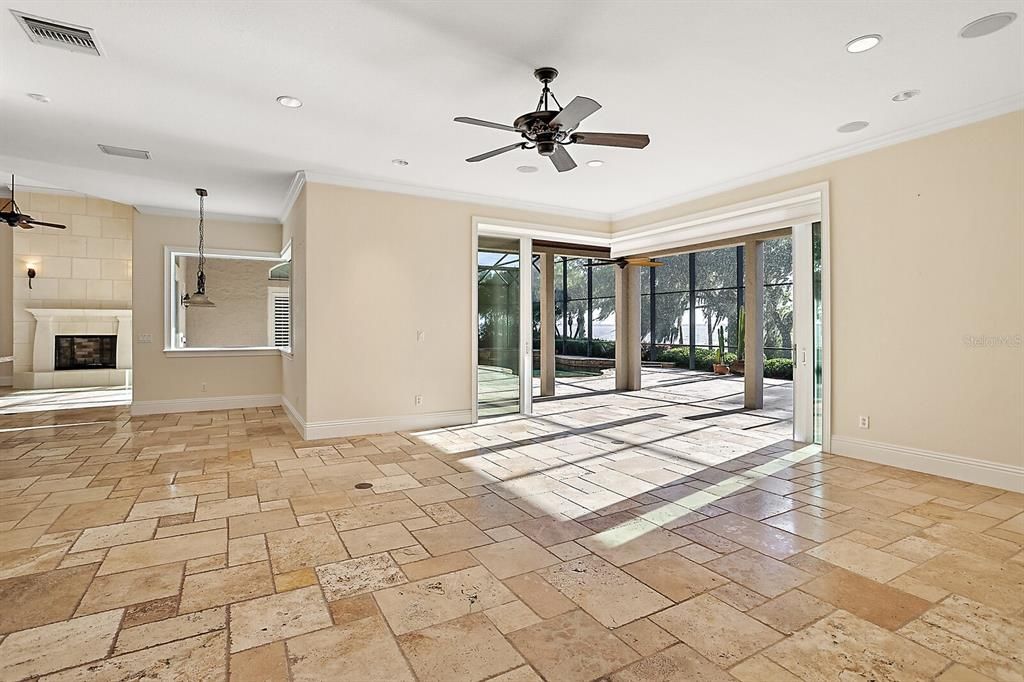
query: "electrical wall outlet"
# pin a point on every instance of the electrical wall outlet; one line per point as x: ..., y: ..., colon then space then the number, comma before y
x: 420, y: 335
x: 864, y: 422
x: 145, y: 338
x: 418, y: 400
x: 203, y: 388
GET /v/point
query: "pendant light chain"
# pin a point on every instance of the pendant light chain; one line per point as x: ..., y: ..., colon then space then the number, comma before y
x: 200, y: 299
x: 202, y: 219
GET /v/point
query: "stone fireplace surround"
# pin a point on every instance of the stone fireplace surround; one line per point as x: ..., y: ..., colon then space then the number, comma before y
x: 51, y: 322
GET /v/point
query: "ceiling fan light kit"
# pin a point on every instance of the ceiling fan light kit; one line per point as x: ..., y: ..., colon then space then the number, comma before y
x: 550, y: 131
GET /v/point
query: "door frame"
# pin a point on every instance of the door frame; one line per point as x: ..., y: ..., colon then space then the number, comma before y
x: 803, y: 333
x: 801, y: 205
x: 525, y: 313
x: 805, y: 204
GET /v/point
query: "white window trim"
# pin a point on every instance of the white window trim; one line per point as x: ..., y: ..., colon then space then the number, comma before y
x: 170, y: 254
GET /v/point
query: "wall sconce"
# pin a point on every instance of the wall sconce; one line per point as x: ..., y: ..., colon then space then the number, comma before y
x: 31, y: 276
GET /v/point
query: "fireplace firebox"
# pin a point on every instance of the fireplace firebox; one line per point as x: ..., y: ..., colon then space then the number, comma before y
x: 85, y: 352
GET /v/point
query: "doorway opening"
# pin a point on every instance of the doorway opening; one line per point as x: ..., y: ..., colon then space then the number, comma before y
x: 503, y: 364
x: 583, y: 324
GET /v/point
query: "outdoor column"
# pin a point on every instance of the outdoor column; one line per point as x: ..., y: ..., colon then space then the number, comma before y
x: 627, y: 328
x: 753, y: 307
x: 547, y: 323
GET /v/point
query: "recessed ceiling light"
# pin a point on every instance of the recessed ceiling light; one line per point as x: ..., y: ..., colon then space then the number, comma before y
x: 596, y: 163
x: 852, y: 126
x: 863, y: 43
x: 400, y: 162
x: 905, y: 95
x: 39, y: 98
x: 290, y: 102
x: 527, y: 169
x: 985, y: 25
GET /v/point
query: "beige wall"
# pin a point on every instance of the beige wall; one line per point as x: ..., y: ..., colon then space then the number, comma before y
x: 240, y: 318
x: 161, y: 376
x: 6, y: 305
x: 88, y: 265
x: 927, y: 246
x: 378, y: 267
x: 927, y: 249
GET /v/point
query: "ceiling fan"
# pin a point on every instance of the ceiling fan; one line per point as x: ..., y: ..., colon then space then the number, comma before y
x: 13, y: 216
x: 623, y: 261
x: 550, y: 131
x: 638, y: 261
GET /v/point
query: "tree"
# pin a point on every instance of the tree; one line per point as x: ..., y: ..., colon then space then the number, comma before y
x: 778, y: 293
x: 571, y: 295
x: 715, y: 296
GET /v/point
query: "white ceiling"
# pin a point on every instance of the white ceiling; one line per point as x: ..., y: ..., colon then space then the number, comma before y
x: 726, y: 90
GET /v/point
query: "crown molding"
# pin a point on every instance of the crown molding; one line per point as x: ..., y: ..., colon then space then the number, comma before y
x: 998, y: 107
x: 972, y: 115
x: 515, y: 228
x: 33, y: 189
x: 936, y: 125
x: 292, y: 195
x: 382, y: 185
x: 183, y: 213
x: 800, y: 205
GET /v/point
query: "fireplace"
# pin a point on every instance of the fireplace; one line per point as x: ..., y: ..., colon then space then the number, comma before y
x: 85, y: 352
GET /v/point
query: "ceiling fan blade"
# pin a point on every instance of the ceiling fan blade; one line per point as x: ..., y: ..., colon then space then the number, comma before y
x: 574, y: 112
x: 40, y: 222
x: 486, y: 124
x: 563, y: 162
x: 643, y: 262
x: 495, y: 152
x: 612, y: 140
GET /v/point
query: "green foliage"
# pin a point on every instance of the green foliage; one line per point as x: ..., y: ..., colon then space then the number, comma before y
x: 741, y: 331
x: 715, y: 299
x: 721, y: 346
x: 574, y: 309
x: 778, y: 368
x: 704, y: 358
x: 774, y: 368
x: 578, y: 347
x: 680, y: 356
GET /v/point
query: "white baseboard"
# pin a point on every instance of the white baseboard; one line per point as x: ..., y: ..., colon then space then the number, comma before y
x: 233, y: 402
x: 308, y: 430
x: 297, y: 420
x: 340, y: 428
x: 983, y: 472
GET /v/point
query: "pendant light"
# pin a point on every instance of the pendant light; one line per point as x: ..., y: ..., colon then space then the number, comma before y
x: 199, y: 299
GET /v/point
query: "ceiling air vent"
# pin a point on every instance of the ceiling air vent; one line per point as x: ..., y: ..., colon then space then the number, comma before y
x: 124, y: 151
x: 55, y: 34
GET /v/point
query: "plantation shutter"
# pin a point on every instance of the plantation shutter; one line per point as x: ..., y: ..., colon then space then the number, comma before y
x: 281, y: 313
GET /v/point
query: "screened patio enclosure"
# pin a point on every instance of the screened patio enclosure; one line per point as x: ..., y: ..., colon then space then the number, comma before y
x: 683, y: 305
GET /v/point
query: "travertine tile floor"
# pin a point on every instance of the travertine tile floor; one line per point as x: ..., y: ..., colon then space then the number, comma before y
x: 628, y: 537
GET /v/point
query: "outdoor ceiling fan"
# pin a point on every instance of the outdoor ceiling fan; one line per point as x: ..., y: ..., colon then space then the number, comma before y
x: 13, y: 216
x: 622, y: 262
x: 550, y: 131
